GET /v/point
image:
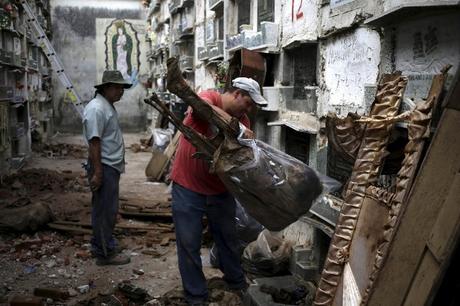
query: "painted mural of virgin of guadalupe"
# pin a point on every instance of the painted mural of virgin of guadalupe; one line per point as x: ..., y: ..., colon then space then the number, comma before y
x: 122, y: 47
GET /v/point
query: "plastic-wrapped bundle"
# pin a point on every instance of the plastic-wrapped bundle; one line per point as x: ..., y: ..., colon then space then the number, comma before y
x: 247, y: 230
x: 274, y: 187
x: 267, y: 256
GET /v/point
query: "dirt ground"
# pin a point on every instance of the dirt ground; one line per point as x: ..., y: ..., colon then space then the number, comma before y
x: 60, y: 259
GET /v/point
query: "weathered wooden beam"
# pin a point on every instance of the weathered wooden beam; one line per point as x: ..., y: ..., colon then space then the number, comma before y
x: 204, y: 145
x: 178, y: 86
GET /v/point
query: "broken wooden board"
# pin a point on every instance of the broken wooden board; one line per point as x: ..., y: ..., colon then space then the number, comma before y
x: 369, y: 161
x: 85, y: 228
x: 160, y: 161
x: 156, y: 165
x: 169, y: 152
x: 246, y: 63
x: 366, y: 239
x: 152, y: 213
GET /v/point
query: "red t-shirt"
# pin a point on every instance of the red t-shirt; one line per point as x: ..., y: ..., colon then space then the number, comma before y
x: 193, y: 173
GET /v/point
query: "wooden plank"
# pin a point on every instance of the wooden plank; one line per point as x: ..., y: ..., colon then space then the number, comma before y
x: 423, y: 281
x: 443, y: 236
x: 169, y: 152
x: 156, y: 164
x: 82, y: 225
x: 171, y: 148
x: 425, y: 200
x: 69, y: 228
x: 368, y: 235
x: 146, y: 214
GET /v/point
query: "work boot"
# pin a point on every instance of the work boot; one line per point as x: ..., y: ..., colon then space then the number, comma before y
x: 115, y: 260
x: 199, y: 304
x: 241, y: 293
x: 118, y: 249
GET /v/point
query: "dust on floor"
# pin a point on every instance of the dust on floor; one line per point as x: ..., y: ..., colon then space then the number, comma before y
x: 60, y: 259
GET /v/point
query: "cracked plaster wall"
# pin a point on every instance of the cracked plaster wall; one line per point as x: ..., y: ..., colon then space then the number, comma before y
x: 299, y: 21
x: 203, y: 76
x: 420, y: 49
x: 74, y: 38
x: 390, y: 4
x: 348, y: 62
x: 340, y: 15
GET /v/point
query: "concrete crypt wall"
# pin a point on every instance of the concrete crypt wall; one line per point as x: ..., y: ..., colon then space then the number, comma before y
x: 348, y: 63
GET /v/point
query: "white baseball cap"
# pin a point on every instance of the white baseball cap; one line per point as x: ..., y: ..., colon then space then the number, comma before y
x: 252, y: 87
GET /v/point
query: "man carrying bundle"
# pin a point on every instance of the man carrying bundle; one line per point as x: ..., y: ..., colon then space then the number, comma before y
x: 196, y: 192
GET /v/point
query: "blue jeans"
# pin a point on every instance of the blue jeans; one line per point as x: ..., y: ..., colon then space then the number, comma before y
x: 188, y: 210
x: 104, y: 212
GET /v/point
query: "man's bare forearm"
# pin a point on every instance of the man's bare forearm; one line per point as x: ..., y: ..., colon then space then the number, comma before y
x: 95, y: 155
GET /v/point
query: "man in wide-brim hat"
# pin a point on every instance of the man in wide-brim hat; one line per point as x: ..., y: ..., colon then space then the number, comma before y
x: 106, y: 161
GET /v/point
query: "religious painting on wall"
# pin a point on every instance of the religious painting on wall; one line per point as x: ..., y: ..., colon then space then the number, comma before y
x: 122, y: 48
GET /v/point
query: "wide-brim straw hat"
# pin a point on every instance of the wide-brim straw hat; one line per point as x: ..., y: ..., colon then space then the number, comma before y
x: 113, y: 77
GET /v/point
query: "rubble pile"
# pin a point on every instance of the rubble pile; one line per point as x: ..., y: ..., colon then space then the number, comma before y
x: 64, y: 150
x: 144, y: 145
x: 40, y: 256
x: 19, y: 188
x: 298, y: 296
x: 30, y: 249
x: 219, y: 294
x: 124, y: 294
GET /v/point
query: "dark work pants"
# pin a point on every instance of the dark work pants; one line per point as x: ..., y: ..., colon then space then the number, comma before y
x: 188, y: 210
x: 104, y: 212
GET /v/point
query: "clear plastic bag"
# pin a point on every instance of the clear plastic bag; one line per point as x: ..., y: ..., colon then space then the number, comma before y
x: 274, y: 187
x: 247, y: 230
x: 330, y: 185
x: 161, y: 138
x: 267, y: 256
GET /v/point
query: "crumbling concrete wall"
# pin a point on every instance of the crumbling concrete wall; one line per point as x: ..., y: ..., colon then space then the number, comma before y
x: 299, y: 21
x: 427, y: 45
x: 203, y: 75
x: 391, y: 4
x: 420, y: 48
x: 348, y: 62
x: 341, y: 15
x: 74, y: 38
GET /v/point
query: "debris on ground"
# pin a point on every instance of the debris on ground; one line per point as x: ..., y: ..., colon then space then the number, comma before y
x: 267, y: 256
x: 33, y: 250
x: 136, y: 208
x: 64, y: 150
x: 299, y: 296
x: 50, y: 260
x: 52, y: 293
x: 14, y: 189
x: 218, y: 293
x: 28, y: 218
x: 144, y: 145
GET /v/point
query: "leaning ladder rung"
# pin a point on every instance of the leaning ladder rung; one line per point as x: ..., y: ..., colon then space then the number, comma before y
x: 50, y: 53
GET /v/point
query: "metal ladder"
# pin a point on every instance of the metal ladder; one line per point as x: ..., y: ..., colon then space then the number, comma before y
x: 56, y: 64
